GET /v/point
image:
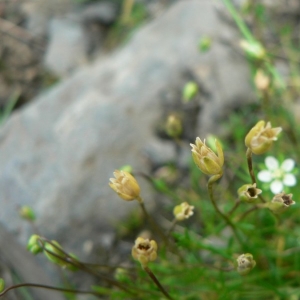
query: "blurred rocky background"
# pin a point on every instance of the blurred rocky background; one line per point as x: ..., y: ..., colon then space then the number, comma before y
x: 91, y: 84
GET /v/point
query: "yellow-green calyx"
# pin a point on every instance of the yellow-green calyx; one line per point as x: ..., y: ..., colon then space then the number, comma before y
x: 125, y: 185
x: 27, y: 213
x: 54, y: 252
x: 190, y: 90
x: 206, y: 160
x: 144, y: 250
x: 249, y: 193
x: 245, y: 263
x: 261, y: 137
x: 261, y: 80
x: 174, y: 126
x: 2, y: 285
x: 34, y: 245
x: 280, y: 203
x: 183, y: 211
x: 253, y: 49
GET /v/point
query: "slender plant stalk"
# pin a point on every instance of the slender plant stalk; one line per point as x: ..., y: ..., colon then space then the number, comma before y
x: 239, y: 21
x: 226, y: 219
x: 251, y: 171
x: 236, y: 205
x: 254, y: 208
x: 158, y: 229
x: 126, y: 11
x: 152, y: 222
x: 153, y: 184
x: 76, y: 263
x: 156, y: 281
x: 171, y: 227
x: 250, y: 166
x: 53, y: 288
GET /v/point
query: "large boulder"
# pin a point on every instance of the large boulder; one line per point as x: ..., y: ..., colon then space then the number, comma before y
x: 58, y: 152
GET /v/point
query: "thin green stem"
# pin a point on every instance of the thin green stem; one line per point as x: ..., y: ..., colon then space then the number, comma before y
x: 226, y: 219
x: 173, y: 224
x: 158, y: 229
x: 53, y: 288
x: 250, y: 166
x: 152, y: 222
x: 76, y: 263
x: 248, y: 212
x: 251, y: 171
x: 153, y: 183
x: 239, y: 21
x: 236, y: 205
x: 157, y: 283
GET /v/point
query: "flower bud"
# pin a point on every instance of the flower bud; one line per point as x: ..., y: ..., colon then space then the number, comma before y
x: 205, y: 44
x: 245, y: 263
x: 54, y: 253
x: 144, y: 250
x: 253, y: 49
x: 206, y: 160
x: 260, y: 138
x: 27, y: 213
x: 125, y: 185
x: 249, y: 192
x: 174, y: 126
x: 183, y: 211
x: 261, y: 80
x: 2, y: 285
x: 280, y: 203
x: 190, y: 90
x: 34, y: 245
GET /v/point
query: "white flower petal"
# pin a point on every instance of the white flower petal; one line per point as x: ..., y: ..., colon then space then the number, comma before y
x: 288, y: 165
x: 271, y: 163
x: 276, y: 187
x: 265, y: 176
x: 289, y: 180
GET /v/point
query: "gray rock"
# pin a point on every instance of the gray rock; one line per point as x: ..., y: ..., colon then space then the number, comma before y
x: 68, y: 46
x: 58, y: 153
x: 103, y: 12
x: 160, y: 152
x: 155, y: 7
x: 39, y: 12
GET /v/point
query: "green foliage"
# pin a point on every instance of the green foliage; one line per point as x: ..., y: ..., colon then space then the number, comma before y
x: 133, y: 14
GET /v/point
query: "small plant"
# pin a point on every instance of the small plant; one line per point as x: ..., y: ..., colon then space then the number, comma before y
x: 181, y: 248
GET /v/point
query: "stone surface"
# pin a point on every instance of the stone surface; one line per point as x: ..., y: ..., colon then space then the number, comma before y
x: 160, y: 152
x: 67, y: 47
x: 103, y: 12
x: 38, y: 13
x: 58, y: 153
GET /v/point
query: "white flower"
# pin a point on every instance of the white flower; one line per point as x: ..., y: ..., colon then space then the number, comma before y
x: 278, y: 175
